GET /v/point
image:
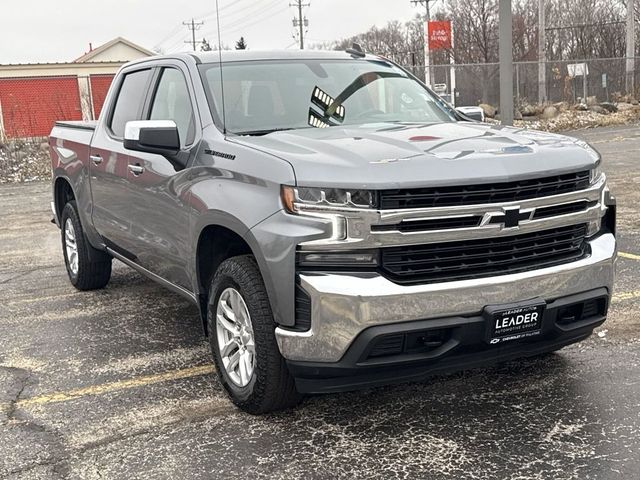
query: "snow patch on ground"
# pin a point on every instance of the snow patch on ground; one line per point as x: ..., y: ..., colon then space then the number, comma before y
x: 24, y: 161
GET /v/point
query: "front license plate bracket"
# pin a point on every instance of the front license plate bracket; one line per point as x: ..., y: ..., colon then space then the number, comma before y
x: 508, y: 323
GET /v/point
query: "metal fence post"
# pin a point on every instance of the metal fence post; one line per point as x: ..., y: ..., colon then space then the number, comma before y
x: 585, y: 93
x: 542, y: 54
x: 506, y: 62
x: 631, y: 48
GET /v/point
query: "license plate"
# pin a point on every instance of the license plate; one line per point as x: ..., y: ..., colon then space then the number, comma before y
x: 517, y: 322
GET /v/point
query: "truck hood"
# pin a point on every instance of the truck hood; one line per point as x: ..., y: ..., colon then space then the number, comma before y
x: 393, y: 156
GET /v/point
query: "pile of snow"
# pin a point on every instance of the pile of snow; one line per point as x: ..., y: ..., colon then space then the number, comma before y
x: 24, y: 161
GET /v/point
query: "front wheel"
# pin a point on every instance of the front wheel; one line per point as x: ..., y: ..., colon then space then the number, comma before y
x: 242, y: 336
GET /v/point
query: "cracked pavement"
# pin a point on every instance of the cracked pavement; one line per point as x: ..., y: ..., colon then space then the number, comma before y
x: 117, y: 384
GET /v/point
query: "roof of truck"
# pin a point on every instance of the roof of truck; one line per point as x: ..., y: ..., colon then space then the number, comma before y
x: 250, y: 55
x: 244, y: 55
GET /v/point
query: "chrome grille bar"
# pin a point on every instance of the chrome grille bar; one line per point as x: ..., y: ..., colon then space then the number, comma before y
x: 375, y: 229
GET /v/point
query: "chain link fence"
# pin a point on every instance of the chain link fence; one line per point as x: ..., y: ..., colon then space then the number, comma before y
x: 480, y: 83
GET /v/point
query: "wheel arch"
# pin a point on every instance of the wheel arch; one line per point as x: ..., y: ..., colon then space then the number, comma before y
x: 63, y: 193
x: 218, y: 241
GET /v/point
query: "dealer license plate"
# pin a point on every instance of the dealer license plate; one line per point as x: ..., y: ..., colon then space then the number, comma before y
x: 517, y: 322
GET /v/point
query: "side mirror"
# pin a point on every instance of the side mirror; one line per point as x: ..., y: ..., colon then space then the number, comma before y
x: 471, y: 113
x: 156, y: 136
x: 152, y: 136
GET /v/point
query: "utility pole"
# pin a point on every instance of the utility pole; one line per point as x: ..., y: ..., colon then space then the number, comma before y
x: 193, y: 26
x: 542, y: 53
x: 506, y: 62
x: 302, y: 22
x: 427, y: 50
x: 631, y: 48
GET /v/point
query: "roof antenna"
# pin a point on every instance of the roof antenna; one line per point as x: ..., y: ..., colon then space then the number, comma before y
x: 356, y: 50
x: 224, y: 115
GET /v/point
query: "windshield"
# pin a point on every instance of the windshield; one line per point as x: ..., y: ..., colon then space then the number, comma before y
x: 266, y: 96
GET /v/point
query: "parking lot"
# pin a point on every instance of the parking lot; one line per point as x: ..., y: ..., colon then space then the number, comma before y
x: 119, y: 384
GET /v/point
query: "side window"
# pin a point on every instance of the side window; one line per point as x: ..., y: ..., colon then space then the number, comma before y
x: 129, y: 101
x: 172, y: 102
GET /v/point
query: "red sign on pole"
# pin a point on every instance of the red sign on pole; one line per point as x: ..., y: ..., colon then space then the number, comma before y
x: 440, y: 35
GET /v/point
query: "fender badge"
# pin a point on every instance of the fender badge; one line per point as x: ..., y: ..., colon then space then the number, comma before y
x: 214, y: 153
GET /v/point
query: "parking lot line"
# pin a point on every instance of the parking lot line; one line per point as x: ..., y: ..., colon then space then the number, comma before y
x: 116, y: 386
x: 619, y: 297
x: 35, y: 299
x: 120, y: 385
x: 630, y: 256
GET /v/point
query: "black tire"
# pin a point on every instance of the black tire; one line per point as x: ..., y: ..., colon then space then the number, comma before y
x: 93, y: 266
x: 271, y: 388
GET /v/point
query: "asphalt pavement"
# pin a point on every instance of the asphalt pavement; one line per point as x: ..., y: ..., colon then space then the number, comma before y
x: 119, y: 383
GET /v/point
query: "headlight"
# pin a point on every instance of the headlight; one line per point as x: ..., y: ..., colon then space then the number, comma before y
x: 595, y: 174
x: 296, y: 199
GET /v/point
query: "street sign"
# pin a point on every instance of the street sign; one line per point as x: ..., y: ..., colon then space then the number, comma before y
x: 578, y: 70
x: 439, y: 35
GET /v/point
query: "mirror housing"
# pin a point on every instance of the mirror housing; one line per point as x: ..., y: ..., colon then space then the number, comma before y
x: 152, y: 136
x: 471, y: 113
x: 155, y: 136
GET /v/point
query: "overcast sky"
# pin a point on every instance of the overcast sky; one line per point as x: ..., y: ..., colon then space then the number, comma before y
x: 60, y: 30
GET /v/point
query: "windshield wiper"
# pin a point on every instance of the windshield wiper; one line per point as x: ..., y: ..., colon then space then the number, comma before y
x: 266, y: 131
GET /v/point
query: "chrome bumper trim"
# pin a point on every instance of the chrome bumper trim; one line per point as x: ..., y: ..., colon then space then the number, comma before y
x: 344, y: 305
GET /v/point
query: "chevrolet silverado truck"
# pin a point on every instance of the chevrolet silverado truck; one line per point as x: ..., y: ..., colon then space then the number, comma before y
x: 337, y: 225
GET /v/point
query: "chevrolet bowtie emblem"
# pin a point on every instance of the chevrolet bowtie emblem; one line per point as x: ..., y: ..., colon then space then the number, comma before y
x: 511, y: 218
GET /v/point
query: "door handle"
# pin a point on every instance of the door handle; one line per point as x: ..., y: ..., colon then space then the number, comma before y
x: 136, y: 169
x: 97, y: 159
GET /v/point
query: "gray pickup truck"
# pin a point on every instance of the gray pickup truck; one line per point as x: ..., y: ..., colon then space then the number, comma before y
x: 336, y: 223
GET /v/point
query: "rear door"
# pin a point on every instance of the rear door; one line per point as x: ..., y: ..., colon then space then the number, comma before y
x: 159, y: 195
x: 109, y: 161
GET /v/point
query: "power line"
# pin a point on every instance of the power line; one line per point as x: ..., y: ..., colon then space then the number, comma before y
x: 193, y: 26
x: 250, y: 16
x: 234, y: 16
x: 167, y: 39
x: 176, y: 30
x: 245, y: 23
x: 254, y: 22
x: 256, y: 8
x: 584, y: 25
x: 214, y: 13
x: 301, y: 22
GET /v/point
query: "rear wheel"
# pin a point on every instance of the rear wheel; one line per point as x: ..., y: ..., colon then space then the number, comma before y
x: 242, y: 336
x: 88, y: 268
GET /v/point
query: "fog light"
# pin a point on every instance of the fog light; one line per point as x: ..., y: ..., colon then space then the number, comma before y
x: 594, y: 227
x: 365, y: 258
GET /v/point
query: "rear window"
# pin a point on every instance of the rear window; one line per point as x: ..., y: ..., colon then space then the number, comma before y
x: 128, y: 105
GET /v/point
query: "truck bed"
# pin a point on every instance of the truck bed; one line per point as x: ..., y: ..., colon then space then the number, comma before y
x: 81, y: 125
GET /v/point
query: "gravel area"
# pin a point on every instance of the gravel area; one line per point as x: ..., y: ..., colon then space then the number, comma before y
x: 24, y: 161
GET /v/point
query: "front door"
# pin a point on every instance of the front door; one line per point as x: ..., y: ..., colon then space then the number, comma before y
x: 158, y: 197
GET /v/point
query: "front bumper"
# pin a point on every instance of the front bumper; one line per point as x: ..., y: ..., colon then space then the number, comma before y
x: 345, y: 305
x: 462, y: 350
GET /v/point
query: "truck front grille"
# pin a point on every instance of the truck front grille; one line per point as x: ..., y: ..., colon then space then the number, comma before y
x: 446, y: 262
x: 483, y: 194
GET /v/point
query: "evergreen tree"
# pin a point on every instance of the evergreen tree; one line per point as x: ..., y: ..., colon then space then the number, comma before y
x: 241, y: 44
x: 205, y: 47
